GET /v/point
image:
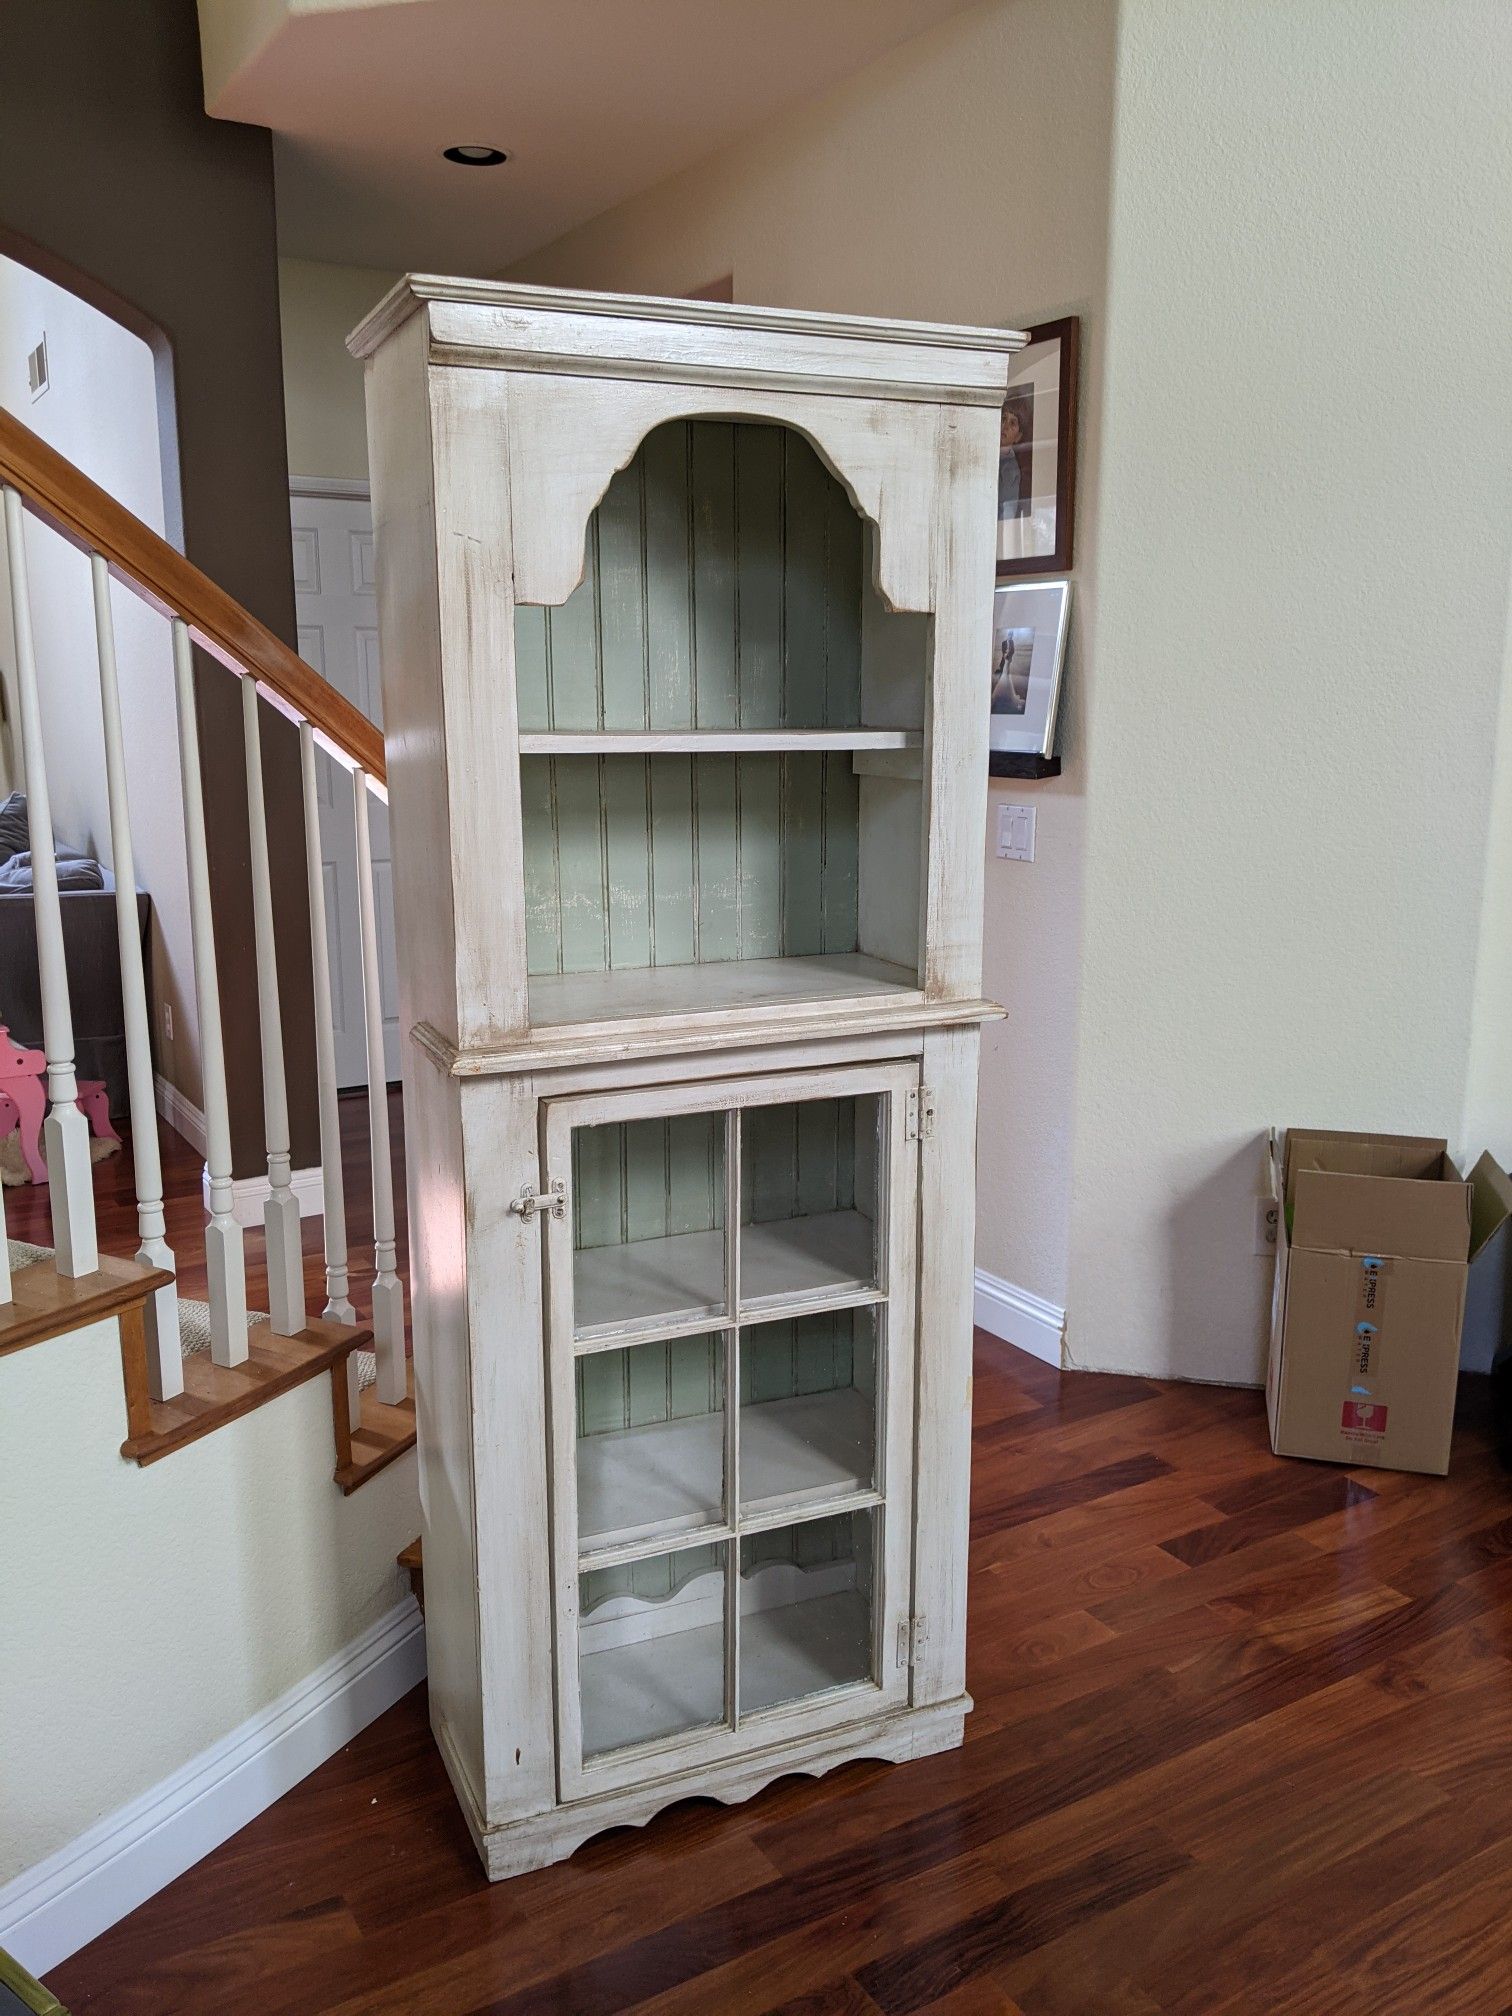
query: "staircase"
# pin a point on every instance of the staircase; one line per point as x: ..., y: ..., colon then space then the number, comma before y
x: 188, y: 1369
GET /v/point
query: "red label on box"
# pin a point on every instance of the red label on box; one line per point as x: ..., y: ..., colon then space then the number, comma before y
x: 1363, y: 1420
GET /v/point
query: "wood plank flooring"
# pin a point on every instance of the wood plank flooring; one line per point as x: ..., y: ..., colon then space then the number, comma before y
x: 1243, y: 1745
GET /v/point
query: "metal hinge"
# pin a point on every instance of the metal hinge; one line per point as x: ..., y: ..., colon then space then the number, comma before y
x: 531, y: 1203
x: 919, y: 1115
x: 910, y: 1639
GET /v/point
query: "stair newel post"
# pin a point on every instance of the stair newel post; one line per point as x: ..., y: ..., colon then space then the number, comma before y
x: 65, y: 1132
x: 286, y: 1298
x: 165, y: 1362
x: 388, y: 1289
x: 224, y: 1260
x: 338, y: 1307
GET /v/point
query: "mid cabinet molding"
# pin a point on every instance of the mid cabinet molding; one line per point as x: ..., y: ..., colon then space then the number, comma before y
x: 685, y: 622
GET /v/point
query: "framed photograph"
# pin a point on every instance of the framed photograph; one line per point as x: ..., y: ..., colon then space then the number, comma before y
x: 1037, y: 456
x: 1028, y: 651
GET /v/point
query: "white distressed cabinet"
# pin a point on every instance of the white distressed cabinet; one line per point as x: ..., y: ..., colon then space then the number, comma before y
x: 685, y: 616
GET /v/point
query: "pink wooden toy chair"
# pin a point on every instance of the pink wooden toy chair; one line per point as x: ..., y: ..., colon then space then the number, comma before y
x: 23, y: 1102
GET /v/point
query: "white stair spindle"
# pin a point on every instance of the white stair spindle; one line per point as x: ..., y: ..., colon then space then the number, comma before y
x: 165, y: 1360
x: 338, y: 1308
x: 388, y: 1289
x: 286, y: 1296
x: 224, y: 1260
x: 338, y: 1295
x: 65, y: 1133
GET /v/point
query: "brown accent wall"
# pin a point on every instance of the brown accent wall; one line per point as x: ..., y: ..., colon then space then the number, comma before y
x: 114, y: 181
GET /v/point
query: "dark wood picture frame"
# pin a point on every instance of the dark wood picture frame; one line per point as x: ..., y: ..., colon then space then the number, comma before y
x: 1067, y: 331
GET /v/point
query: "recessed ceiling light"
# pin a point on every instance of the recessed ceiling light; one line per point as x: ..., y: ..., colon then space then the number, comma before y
x: 475, y: 157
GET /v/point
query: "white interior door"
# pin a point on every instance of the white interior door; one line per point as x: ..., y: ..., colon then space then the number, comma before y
x: 337, y: 606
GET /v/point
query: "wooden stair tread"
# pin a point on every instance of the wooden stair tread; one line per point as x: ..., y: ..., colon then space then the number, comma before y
x: 410, y: 1561
x: 379, y: 1436
x: 45, y: 1303
x: 215, y: 1394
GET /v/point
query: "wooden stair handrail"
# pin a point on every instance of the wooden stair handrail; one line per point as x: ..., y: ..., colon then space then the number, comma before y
x: 90, y: 518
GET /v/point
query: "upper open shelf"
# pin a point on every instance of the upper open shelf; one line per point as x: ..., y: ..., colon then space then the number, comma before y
x: 721, y: 736
x: 714, y: 741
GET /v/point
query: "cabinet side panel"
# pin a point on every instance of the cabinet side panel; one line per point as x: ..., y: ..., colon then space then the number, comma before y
x: 955, y: 760
x: 443, y: 1407
x: 399, y: 437
x: 475, y: 576
x: 504, y: 1277
x: 942, y: 1475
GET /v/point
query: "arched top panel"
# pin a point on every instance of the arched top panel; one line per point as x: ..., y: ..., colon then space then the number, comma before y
x: 723, y: 587
x: 569, y: 437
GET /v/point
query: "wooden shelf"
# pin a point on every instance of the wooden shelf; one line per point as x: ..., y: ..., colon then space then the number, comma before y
x: 728, y: 986
x: 715, y: 741
x: 667, y: 1478
x: 662, y: 1686
x: 649, y: 1287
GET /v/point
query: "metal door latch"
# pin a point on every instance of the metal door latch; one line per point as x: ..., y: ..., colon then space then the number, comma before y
x: 530, y: 1202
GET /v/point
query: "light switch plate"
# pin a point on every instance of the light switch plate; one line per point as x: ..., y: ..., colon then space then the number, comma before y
x: 1015, y: 833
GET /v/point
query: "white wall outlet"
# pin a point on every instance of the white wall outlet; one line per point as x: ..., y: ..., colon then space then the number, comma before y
x: 1015, y: 833
x: 168, y: 1021
x: 1266, y: 1219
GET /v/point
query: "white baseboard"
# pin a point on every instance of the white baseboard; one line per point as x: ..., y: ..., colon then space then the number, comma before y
x: 78, y: 1893
x: 250, y: 1193
x: 181, y: 1115
x: 1029, y: 1321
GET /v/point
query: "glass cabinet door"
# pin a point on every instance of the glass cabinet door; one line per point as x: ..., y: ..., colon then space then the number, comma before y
x: 731, y: 1293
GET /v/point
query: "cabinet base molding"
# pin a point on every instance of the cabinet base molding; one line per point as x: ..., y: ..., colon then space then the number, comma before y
x: 544, y: 1838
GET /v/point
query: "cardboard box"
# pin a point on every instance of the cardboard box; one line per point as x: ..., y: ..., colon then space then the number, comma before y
x: 1488, y: 1293
x: 1372, y: 1242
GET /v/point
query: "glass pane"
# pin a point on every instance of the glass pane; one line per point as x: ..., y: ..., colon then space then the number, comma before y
x: 651, y: 1642
x: 809, y: 1200
x: 806, y: 1596
x: 648, y: 1221
x: 808, y: 1407
x: 650, y: 1440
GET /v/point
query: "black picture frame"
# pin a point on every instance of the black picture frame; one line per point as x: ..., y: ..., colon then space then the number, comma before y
x: 1066, y: 332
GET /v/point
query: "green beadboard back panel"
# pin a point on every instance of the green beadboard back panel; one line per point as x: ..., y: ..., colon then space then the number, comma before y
x: 637, y: 861
x: 653, y: 1178
x: 842, y: 1536
x: 722, y: 589
x: 647, y: 1179
x: 655, y: 1581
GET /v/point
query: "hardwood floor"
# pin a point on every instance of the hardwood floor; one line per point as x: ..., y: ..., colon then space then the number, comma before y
x: 1243, y: 1745
x: 27, y: 1215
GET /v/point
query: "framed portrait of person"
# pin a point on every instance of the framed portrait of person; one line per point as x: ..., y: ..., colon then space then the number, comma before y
x: 1037, y: 454
x: 1029, y: 621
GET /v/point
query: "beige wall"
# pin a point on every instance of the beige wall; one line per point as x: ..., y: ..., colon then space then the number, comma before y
x: 1299, y: 637
x: 1262, y: 893
x: 319, y: 305
x: 161, y: 1608
x: 964, y: 178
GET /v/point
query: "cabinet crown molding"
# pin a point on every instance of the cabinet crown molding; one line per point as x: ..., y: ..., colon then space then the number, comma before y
x: 499, y: 325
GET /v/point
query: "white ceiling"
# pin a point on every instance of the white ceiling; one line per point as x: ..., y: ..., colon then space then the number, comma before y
x: 594, y: 99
